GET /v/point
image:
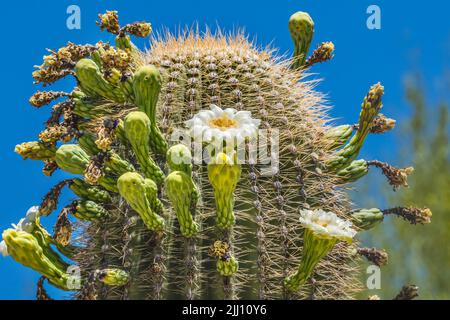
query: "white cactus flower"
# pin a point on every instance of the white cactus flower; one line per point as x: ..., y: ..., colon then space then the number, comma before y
x: 327, y: 225
x: 26, y: 224
x: 222, y: 125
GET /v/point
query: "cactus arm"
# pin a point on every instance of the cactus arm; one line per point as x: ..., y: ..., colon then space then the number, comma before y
x: 301, y: 27
x: 146, y: 87
x: 137, y: 127
x: 131, y: 186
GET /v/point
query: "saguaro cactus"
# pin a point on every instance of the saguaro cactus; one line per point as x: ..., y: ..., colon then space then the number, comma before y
x: 172, y: 200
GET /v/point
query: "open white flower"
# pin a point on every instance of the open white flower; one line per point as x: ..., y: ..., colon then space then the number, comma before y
x: 26, y: 224
x: 327, y: 225
x: 222, y: 125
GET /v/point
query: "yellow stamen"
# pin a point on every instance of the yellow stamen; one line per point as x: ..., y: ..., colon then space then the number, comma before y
x: 223, y: 123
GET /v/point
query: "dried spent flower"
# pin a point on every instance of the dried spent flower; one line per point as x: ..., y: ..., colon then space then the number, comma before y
x: 50, y: 200
x: 378, y: 257
x: 109, y: 21
x: 50, y: 166
x: 41, y: 293
x: 138, y: 29
x: 42, y: 98
x: 397, y: 177
x: 382, y: 124
x: 408, y: 292
x: 322, y: 53
x: 411, y: 214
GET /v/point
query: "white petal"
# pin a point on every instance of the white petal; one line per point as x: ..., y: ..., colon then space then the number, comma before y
x: 3, y: 249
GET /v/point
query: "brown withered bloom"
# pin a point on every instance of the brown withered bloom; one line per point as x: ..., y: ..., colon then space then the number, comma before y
x: 220, y: 249
x: 411, y: 214
x: 322, y: 53
x: 396, y: 177
x: 59, y: 64
x: 50, y: 166
x: 63, y: 227
x: 42, y: 98
x: 382, y: 124
x: 94, y: 169
x: 106, y: 134
x: 115, y: 59
x: 50, y: 200
x: 408, y: 292
x: 54, y: 133
x: 378, y: 257
x: 109, y: 21
x: 138, y: 29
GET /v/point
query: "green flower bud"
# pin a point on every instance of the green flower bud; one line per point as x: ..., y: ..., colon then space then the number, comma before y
x: 114, y: 277
x: 338, y: 136
x: 137, y: 128
x: 71, y: 158
x: 224, y: 175
x: 182, y: 193
x: 86, y: 191
x: 88, y: 210
x: 366, y: 219
x: 369, y: 110
x: 179, y: 158
x: 146, y: 86
x: 354, y: 171
x: 133, y: 188
x: 301, y: 27
x: 228, y: 267
x: 24, y: 248
x: 94, y: 84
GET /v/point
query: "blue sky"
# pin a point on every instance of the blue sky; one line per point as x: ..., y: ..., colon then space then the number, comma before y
x: 415, y: 35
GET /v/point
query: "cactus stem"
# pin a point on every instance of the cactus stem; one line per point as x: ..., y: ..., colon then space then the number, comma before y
x: 41, y: 293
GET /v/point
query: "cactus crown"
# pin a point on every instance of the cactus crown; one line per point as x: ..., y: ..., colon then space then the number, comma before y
x: 158, y: 219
